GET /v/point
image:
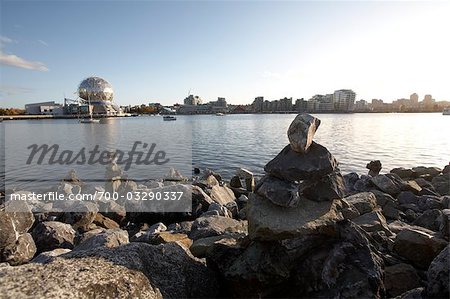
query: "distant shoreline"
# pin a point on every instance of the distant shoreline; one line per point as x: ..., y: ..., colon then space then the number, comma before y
x: 37, y: 117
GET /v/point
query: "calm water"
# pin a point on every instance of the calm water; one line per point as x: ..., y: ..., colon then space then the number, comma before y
x: 250, y: 141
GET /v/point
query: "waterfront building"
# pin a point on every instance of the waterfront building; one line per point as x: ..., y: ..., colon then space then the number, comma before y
x: 98, y: 94
x: 192, y: 100
x: 344, y: 100
x: 47, y: 108
x: 301, y: 105
x: 361, y: 106
x: 428, y: 102
x: 219, y: 106
x: 414, y: 99
x: 258, y: 105
x: 285, y: 105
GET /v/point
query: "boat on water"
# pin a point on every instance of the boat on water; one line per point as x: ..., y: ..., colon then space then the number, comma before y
x: 169, y: 117
x: 89, y: 120
x: 446, y: 111
x: 220, y: 114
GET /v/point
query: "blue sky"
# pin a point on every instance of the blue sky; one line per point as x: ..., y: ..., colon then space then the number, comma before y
x: 159, y: 51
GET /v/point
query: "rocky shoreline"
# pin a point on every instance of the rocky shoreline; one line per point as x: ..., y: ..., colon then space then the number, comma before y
x: 303, y: 230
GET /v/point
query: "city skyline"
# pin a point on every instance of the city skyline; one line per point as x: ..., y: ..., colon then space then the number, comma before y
x: 162, y: 51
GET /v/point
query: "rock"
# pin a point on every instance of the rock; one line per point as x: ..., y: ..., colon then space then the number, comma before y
x: 301, y: 132
x: 248, y: 178
x: 373, y: 222
x: 438, y: 276
x: 196, y: 170
x: 364, y: 184
x: 16, y: 246
x: 235, y: 182
x: 104, y: 222
x: 200, y: 247
x: 412, y: 294
x: 48, y: 256
x: 390, y: 211
x: 328, y: 188
x: 350, y: 180
x: 169, y: 267
x: 221, y: 210
x: 364, y: 202
x: 385, y: 184
x: 109, y: 238
x: 383, y: 198
x: 267, y: 221
x: 112, y: 210
x: 174, y: 175
x: 80, y: 215
x: 428, y: 202
x: 431, y: 219
x: 279, y: 192
x: 400, y: 278
x: 209, y: 180
x: 200, y: 197
x: 19, y: 252
x: 348, y: 210
x: 410, y: 215
x: 168, y: 237
x: 310, y: 266
x: 441, y: 184
x: 215, y: 226
x: 51, y: 235
x: 75, y: 278
x: 404, y: 173
x: 418, y: 247
x: 222, y: 195
x: 182, y: 227
x: 374, y: 167
x: 292, y: 166
x: 147, y: 235
x: 422, y: 171
x: 407, y: 198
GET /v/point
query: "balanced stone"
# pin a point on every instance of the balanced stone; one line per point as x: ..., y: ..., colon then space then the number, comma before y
x: 279, y: 192
x: 331, y: 186
x: 301, y: 132
x: 292, y: 166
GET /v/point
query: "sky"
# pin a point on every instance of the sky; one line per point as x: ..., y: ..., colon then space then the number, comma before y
x: 160, y: 51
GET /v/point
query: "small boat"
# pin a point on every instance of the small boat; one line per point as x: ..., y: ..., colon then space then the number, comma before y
x: 89, y: 121
x: 219, y: 114
x: 169, y: 117
x: 446, y: 111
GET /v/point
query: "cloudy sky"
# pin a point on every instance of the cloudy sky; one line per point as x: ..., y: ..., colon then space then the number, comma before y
x: 159, y: 51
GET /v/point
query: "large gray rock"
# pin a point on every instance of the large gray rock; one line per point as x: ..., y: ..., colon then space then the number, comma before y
x: 50, y: 235
x: 311, y: 266
x: 431, y: 219
x: 438, y: 275
x: 222, y: 195
x: 364, y: 202
x: 16, y: 245
x: 21, y: 251
x: 109, y: 238
x: 400, y: 278
x: 292, y: 166
x: 385, y: 184
x: 404, y: 173
x: 301, y: 132
x: 373, y: 222
x: 418, y: 247
x: 80, y: 214
x: 423, y: 171
x: 171, y: 268
x: 267, y: 221
x: 279, y: 192
x: 88, y: 277
x: 327, y: 188
x: 200, y: 247
x: 215, y: 226
x: 48, y: 256
x: 441, y: 184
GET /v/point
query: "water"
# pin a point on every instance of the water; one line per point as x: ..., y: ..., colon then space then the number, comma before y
x: 226, y: 143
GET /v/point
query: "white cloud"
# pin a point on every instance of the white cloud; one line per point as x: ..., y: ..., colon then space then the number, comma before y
x: 10, y: 90
x: 16, y: 61
x: 42, y: 42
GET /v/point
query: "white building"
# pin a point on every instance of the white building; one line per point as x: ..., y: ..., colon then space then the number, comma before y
x: 48, y: 108
x: 344, y: 100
